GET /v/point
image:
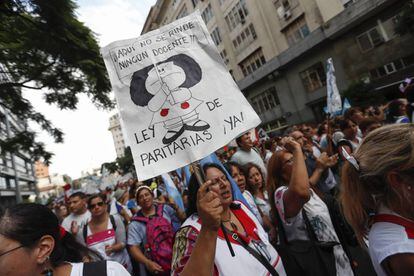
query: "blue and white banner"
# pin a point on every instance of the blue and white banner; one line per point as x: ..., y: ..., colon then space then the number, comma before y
x: 172, y: 190
x: 334, y: 102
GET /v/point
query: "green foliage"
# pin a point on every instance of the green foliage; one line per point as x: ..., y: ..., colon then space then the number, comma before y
x: 123, y: 164
x: 405, y: 21
x: 43, y: 47
x: 111, y: 167
x: 126, y: 163
x: 362, y: 94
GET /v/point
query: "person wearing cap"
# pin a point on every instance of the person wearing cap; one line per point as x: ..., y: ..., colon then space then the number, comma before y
x: 137, y: 236
x: 117, y: 205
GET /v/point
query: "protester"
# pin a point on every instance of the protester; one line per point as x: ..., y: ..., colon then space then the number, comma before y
x: 397, y: 112
x: 33, y: 243
x: 200, y: 247
x: 79, y: 215
x: 257, y: 187
x: 318, y: 164
x: 292, y: 196
x: 367, y: 125
x: 379, y: 179
x: 351, y: 140
x: 150, y: 234
x: 246, y: 153
x: 132, y: 203
x: 118, y: 205
x: 237, y: 173
x: 105, y: 233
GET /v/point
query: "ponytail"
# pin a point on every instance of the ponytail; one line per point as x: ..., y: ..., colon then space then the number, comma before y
x: 356, y: 201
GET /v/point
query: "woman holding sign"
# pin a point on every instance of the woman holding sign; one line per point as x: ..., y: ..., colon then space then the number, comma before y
x: 200, y: 246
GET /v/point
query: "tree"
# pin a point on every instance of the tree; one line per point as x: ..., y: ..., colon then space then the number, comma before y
x: 126, y: 163
x: 361, y: 94
x: 123, y: 164
x: 405, y: 20
x: 45, y: 48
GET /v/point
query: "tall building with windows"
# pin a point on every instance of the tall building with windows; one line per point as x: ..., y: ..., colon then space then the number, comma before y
x: 276, y: 50
x: 17, y: 181
x: 116, y: 130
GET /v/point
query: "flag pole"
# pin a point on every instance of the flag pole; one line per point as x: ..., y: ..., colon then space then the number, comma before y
x: 199, y: 173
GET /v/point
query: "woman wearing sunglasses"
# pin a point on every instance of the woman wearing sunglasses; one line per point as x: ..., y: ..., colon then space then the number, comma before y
x: 105, y: 233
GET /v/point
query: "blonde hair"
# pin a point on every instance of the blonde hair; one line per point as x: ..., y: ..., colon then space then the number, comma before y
x: 383, y: 150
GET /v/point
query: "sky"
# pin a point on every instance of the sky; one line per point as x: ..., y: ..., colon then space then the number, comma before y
x: 88, y: 142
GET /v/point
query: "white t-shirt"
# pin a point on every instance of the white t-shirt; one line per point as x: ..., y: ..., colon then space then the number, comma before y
x: 112, y: 269
x: 319, y: 218
x: 80, y: 219
x: 387, y: 239
x: 250, y: 199
x: 243, y: 157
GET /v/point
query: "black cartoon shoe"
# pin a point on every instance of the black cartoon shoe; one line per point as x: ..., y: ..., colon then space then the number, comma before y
x: 172, y: 135
x: 198, y: 125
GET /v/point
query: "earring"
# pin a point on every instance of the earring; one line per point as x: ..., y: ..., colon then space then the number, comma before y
x: 47, y: 271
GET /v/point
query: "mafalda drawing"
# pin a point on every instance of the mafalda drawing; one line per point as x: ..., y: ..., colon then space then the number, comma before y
x: 165, y: 89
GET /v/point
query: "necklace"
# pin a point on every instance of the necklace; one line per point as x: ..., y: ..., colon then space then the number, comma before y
x: 232, y: 224
x: 227, y: 220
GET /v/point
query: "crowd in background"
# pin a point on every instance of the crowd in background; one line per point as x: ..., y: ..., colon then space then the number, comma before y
x: 316, y: 187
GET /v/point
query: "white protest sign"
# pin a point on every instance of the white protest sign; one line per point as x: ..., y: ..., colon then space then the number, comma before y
x: 175, y: 96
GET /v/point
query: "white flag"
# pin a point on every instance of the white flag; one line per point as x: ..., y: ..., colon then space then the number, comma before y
x: 334, y: 102
x: 176, y: 97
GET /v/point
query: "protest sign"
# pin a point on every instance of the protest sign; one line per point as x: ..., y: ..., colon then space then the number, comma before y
x: 176, y: 97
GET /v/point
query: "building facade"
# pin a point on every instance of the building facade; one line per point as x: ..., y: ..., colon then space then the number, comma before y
x: 41, y: 169
x: 276, y: 50
x: 17, y: 180
x: 116, y: 129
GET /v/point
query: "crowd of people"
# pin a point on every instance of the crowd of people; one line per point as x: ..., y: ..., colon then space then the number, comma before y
x: 329, y: 199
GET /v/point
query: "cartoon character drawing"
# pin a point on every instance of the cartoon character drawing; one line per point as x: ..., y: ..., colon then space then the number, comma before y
x: 165, y: 89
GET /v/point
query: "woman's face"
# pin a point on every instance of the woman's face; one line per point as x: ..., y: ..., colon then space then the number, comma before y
x: 402, y: 109
x: 218, y: 178
x: 63, y: 211
x: 97, y: 207
x: 255, y: 178
x: 145, y: 199
x: 239, y: 177
x: 18, y: 262
x: 351, y: 131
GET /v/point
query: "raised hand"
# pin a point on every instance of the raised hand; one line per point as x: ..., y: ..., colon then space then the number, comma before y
x: 209, y: 205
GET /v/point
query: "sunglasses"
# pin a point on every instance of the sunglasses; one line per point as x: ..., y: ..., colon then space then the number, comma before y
x: 92, y: 206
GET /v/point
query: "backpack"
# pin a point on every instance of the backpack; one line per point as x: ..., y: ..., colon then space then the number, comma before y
x: 85, y: 227
x: 160, y: 237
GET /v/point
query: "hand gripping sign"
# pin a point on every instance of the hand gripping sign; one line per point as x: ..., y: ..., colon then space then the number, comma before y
x: 177, y: 101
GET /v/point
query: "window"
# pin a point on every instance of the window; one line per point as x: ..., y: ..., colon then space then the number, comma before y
x: 237, y: 15
x: 297, y: 31
x: 265, y: 101
x: 215, y: 35
x: 183, y: 12
x: 207, y: 14
x: 223, y: 55
x: 245, y: 37
x: 314, y: 77
x: 370, y: 39
x: 391, y: 67
x: 252, y: 62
